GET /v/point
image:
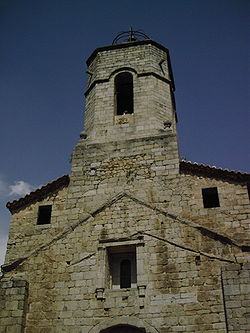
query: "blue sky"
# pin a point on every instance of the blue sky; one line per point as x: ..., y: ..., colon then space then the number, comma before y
x: 44, y: 46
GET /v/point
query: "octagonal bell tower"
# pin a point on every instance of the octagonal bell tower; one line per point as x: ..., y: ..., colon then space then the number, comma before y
x: 130, y: 92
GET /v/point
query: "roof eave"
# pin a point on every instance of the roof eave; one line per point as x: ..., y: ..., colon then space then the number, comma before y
x: 38, y: 195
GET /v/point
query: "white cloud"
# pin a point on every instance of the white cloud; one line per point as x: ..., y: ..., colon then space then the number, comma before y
x: 20, y: 188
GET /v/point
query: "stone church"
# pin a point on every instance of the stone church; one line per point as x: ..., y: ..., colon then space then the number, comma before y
x: 134, y: 240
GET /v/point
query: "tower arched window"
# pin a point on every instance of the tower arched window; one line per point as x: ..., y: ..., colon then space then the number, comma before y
x: 124, y: 96
x: 125, y: 274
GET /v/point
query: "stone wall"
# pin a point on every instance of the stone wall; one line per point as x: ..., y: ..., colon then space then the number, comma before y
x: 25, y: 236
x: 236, y: 282
x: 179, y: 279
x: 13, y: 305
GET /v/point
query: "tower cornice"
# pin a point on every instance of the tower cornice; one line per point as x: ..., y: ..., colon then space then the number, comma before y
x: 125, y: 45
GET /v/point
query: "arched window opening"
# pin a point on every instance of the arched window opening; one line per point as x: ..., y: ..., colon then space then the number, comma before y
x: 124, y: 93
x: 125, y: 274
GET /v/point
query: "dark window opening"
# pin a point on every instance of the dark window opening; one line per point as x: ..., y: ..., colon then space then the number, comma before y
x: 210, y: 197
x: 248, y: 190
x: 125, y: 274
x: 44, y: 214
x: 122, y: 267
x: 197, y: 260
x: 124, y: 93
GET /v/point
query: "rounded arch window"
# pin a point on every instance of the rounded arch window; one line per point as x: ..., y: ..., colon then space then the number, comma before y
x: 124, y: 95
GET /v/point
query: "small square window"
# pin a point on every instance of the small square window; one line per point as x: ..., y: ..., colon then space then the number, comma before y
x: 122, y: 267
x: 44, y: 214
x: 210, y: 197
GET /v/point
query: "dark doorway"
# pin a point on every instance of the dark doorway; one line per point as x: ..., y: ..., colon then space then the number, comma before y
x: 123, y: 329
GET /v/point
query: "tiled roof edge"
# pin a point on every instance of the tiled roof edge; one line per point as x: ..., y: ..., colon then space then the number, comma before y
x: 38, y: 195
x: 203, y: 170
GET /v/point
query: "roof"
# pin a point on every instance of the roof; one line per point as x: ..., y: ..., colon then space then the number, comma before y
x: 208, y: 171
x: 190, y: 168
x: 38, y: 195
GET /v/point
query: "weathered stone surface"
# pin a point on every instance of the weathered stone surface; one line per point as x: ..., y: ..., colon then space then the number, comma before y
x: 13, y: 304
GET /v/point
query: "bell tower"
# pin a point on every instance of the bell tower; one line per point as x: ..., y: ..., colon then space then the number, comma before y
x: 130, y: 122
x: 130, y: 92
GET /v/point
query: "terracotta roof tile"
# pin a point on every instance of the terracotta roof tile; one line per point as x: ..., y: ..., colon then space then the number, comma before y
x: 38, y: 195
x: 203, y: 170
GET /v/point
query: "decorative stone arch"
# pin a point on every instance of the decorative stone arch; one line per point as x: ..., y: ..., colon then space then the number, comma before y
x: 134, y: 322
x: 122, y: 69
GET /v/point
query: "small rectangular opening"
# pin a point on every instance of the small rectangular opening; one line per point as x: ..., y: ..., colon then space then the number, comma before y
x: 122, y: 267
x: 210, y: 197
x: 44, y: 214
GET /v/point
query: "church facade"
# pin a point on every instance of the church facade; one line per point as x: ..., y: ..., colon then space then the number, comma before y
x: 134, y: 240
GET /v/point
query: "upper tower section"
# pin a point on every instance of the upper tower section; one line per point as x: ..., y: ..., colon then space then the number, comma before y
x: 130, y: 91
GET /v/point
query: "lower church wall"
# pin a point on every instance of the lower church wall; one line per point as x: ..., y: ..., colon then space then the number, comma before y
x: 211, y: 306
x: 13, y: 305
x: 236, y: 285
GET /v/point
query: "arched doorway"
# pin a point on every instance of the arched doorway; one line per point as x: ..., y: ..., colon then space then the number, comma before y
x: 125, y: 323
x: 123, y: 329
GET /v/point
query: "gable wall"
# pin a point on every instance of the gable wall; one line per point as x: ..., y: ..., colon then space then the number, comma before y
x: 179, y: 290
